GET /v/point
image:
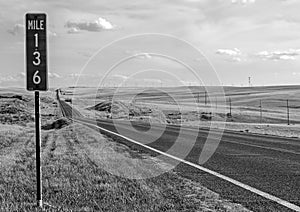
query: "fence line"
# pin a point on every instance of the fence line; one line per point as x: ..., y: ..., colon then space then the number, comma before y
x: 231, y: 109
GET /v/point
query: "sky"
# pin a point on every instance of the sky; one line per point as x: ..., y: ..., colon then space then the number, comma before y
x: 238, y: 38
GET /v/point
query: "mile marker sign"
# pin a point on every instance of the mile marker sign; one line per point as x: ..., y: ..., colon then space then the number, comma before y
x: 37, y: 79
x: 36, y: 52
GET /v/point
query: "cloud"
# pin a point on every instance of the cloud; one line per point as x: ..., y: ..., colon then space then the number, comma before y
x: 139, y: 55
x: 143, y: 55
x: 235, y: 55
x: 231, y: 54
x: 73, y: 30
x: 97, y: 25
x: 7, y: 79
x: 236, y: 59
x: 51, y: 34
x: 296, y: 74
x: 119, y: 76
x: 19, y: 29
x: 53, y: 75
x: 13, y: 78
x: 80, y: 75
x: 85, y: 54
x: 290, y: 54
x: 158, y: 81
x: 189, y: 83
x: 22, y: 74
x: 74, y: 75
x: 243, y: 1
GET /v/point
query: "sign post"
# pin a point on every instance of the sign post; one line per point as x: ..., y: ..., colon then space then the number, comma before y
x: 37, y: 78
x: 38, y: 150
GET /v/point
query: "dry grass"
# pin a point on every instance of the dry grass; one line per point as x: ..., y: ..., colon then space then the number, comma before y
x: 76, y: 176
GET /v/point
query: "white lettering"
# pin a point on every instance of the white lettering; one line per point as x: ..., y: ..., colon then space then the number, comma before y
x: 42, y: 24
x: 36, y: 24
x: 30, y: 24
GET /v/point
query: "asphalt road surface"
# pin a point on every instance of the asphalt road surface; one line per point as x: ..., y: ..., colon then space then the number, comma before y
x: 268, y: 163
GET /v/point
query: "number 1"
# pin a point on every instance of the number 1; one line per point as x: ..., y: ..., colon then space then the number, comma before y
x: 36, y: 40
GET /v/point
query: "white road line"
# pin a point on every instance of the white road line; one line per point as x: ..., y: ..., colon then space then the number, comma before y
x: 235, y: 182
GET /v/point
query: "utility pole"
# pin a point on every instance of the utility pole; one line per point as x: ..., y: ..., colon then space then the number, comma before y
x: 260, y: 108
x: 249, y: 81
x: 205, y: 98
x: 288, y: 112
x: 216, y: 102
x: 230, y: 109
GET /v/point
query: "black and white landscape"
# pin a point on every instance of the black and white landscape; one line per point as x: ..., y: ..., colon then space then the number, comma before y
x: 184, y: 105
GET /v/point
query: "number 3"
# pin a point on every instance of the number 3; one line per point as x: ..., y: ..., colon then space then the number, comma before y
x: 36, y: 78
x: 37, y: 58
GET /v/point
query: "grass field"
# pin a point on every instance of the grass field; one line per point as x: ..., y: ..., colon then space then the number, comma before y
x: 76, y: 162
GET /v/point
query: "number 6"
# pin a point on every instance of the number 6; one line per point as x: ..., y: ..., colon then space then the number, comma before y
x: 36, y: 78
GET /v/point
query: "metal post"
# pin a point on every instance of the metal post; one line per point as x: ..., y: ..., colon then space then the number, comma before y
x: 288, y: 112
x: 216, y: 101
x: 230, y: 107
x: 260, y: 108
x: 38, y: 150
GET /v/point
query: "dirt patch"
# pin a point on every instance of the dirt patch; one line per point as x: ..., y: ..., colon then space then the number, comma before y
x: 57, y: 124
x: 136, y: 111
x: 108, y: 106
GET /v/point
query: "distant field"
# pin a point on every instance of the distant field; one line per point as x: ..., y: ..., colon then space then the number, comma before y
x: 153, y: 105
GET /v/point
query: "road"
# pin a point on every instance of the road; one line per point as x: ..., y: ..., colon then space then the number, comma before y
x: 268, y: 163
